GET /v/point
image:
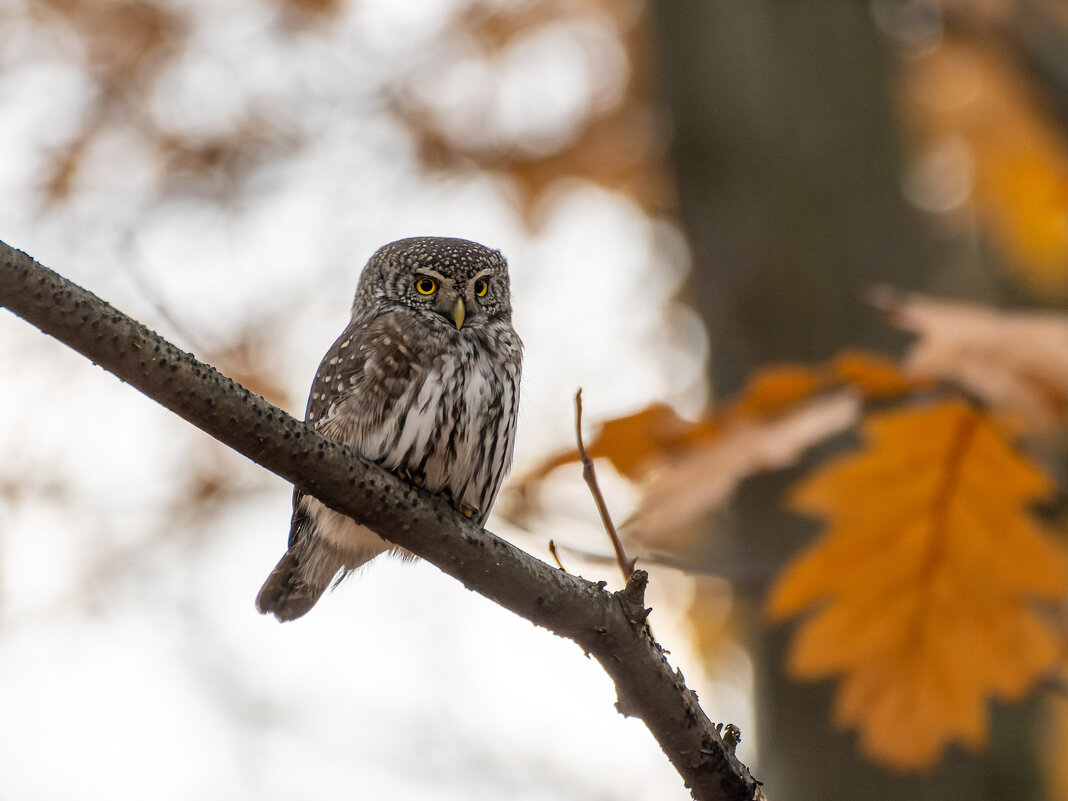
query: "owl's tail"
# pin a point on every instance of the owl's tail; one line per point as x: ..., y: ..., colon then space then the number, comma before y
x: 324, y: 545
x: 290, y: 591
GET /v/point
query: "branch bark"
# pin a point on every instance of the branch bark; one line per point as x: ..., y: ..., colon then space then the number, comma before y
x: 608, y: 626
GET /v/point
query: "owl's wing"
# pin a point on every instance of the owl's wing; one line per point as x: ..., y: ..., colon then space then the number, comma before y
x: 357, y: 387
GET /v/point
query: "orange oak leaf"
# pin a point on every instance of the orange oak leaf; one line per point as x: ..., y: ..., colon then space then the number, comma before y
x: 631, y: 441
x: 875, y: 377
x: 777, y: 389
x: 633, y: 444
x: 925, y: 583
x: 773, y: 390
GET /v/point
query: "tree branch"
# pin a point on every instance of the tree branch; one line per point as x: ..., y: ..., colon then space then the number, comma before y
x: 608, y: 626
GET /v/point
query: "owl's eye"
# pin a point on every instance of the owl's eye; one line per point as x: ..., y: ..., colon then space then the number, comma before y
x: 481, y: 288
x: 426, y: 286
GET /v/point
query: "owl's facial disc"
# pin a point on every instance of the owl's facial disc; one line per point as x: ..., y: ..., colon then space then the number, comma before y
x: 460, y: 299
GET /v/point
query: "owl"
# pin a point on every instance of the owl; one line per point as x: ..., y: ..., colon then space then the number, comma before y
x: 424, y: 381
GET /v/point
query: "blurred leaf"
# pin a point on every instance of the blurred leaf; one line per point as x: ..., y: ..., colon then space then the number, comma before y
x: 771, y: 391
x: 775, y: 389
x: 246, y: 362
x: 216, y: 165
x: 924, y: 582
x: 311, y: 8
x: 874, y: 376
x: 690, y: 486
x: 1015, y: 361
x: 652, y: 433
x: 616, y: 142
x: 688, y: 469
x: 631, y: 441
x: 975, y: 99
x: 125, y: 40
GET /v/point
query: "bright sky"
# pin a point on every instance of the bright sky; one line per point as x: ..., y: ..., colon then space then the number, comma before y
x: 132, y: 660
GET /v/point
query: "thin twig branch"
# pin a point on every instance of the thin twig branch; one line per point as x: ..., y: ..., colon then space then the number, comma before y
x: 608, y: 626
x: 626, y: 565
x: 555, y: 555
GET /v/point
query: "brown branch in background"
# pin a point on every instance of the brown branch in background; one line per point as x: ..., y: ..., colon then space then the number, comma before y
x: 626, y: 565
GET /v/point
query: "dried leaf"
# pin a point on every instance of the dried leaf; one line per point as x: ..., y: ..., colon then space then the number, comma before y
x: 1016, y: 362
x: 631, y: 442
x: 875, y: 377
x: 925, y: 581
x: 688, y: 469
x: 654, y: 432
x: 687, y: 489
x: 775, y: 389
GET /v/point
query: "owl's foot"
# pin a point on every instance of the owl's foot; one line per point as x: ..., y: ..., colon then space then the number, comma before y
x: 467, y: 511
x: 417, y: 479
x: 410, y: 476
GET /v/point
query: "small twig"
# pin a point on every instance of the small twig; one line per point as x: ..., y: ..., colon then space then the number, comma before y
x: 555, y: 555
x: 626, y: 565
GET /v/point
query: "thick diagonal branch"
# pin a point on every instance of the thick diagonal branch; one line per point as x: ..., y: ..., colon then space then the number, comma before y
x: 606, y: 625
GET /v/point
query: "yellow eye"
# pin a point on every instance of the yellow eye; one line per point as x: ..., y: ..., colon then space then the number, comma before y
x: 481, y: 288
x: 426, y: 286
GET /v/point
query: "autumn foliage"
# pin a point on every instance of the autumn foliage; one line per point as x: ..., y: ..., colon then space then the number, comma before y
x: 932, y: 588
x: 924, y: 582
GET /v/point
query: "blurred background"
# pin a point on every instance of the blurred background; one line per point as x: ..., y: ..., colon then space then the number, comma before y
x: 685, y: 192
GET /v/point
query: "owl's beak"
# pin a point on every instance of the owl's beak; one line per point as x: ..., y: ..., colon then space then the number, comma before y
x: 459, y: 311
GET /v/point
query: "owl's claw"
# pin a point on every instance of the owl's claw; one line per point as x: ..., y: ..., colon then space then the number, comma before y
x: 410, y: 476
x: 467, y: 511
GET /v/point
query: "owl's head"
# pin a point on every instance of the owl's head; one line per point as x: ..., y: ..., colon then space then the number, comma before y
x: 453, y: 282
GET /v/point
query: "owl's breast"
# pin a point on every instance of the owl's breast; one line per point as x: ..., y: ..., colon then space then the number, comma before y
x: 456, y: 425
x: 447, y: 418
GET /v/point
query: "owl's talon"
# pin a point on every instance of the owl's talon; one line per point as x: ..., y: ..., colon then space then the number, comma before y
x: 410, y: 476
x: 467, y: 511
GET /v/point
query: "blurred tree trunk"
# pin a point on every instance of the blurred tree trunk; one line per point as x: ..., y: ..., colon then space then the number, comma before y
x: 786, y: 155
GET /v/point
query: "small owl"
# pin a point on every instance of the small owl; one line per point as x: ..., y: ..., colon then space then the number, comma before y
x: 424, y: 382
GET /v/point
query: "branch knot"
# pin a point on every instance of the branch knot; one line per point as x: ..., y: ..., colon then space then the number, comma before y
x: 632, y: 597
